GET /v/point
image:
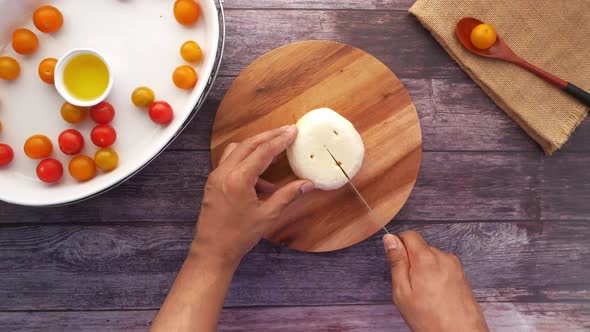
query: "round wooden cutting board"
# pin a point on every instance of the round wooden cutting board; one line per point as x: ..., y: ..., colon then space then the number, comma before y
x: 284, y: 84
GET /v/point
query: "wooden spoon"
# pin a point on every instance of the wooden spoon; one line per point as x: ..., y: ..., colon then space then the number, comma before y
x: 501, y: 51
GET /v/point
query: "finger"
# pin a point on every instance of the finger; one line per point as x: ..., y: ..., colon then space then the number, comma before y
x: 415, y: 245
x: 259, y: 160
x: 228, y: 150
x: 263, y: 186
x: 249, y: 145
x: 287, y: 195
x: 397, y: 257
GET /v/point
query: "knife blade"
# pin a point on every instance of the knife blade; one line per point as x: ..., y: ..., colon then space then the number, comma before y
x: 358, y: 193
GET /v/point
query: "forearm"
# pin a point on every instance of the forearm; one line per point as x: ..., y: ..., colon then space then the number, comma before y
x: 197, y: 296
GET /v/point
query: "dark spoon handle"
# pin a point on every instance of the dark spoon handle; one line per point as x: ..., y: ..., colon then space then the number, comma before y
x: 578, y: 93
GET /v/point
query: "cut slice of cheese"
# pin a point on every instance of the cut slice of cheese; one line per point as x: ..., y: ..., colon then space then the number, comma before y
x: 310, y: 160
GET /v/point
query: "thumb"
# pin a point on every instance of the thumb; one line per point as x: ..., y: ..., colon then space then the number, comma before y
x: 397, y: 257
x: 287, y: 195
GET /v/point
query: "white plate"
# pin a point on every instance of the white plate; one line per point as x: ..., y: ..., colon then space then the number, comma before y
x: 141, y: 41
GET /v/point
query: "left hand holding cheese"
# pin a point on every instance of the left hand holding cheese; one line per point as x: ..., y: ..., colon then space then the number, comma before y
x: 233, y: 218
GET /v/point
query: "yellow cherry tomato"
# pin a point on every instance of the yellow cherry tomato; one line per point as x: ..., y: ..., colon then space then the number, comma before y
x: 9, y: 68
x: 191, y: 51
x: 73, y: 114
x: 185, y: 77
x: 142, y: 96
x: 106, y: 159
x: 38, y: 147
x: 82, y: 168
x: 46, y: 70
x: 483, y: 36
x: 186, y: 12
x: 24, y: 41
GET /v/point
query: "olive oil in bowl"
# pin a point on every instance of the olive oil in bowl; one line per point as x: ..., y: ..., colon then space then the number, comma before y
x: 86, y: 77
x: 83, y: 77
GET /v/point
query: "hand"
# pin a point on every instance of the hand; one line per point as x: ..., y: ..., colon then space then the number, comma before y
x: 429, y: 287
x: 233, y: 218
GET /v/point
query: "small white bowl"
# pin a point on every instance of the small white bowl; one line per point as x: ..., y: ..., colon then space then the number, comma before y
x: 59, y: 82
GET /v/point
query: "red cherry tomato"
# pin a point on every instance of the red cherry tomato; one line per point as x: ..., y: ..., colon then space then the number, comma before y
x: 103, y: 135
x: 161, y: 112
x: 102, y: 113
x: 6, y: 155
x: 50, y: 170
x: 71, y: 142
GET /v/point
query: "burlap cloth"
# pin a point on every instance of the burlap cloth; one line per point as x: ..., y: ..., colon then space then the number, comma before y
x: 551, y: 34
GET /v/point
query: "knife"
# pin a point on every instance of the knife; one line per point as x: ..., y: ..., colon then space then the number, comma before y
x: 375, y: 216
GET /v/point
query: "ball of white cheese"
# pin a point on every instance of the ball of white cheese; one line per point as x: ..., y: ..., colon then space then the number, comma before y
x: 309, y: 158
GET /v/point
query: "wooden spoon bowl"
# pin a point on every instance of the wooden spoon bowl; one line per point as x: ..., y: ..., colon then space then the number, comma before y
x: 500, y: 50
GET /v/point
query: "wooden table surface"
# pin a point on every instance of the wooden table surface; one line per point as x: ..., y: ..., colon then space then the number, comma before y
x: 517, y: 219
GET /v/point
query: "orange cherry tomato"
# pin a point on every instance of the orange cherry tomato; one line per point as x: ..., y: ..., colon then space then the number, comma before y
x: 191, y: 51
x: 186, y: 12
x: 142, y: 97
x: 46, y: 70
x: 24, y: 41
x: 73, y: 114
x: 82, y: 168
x: 9, y: 68
x: 38, y: 147
x: 185, y: 77
x: 48, y: 19
x: 483, y: 36
x: 106, y: 159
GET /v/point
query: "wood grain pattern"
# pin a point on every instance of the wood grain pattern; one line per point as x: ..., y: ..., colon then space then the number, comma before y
x: 448, y: 122
x: 124, y: 266
x: 284, y: 84
x: 402, y: 5
x: 501, y: 317
x: 452, y: 186
x: 381, y: 33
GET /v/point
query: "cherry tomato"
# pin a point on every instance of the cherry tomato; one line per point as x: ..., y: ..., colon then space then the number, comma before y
x: 38, y: 147
x: 186, y: 12
x: 24, y: 41
x: 50, y: 170
x: 6, y: 154
x: 9, y: 68
x: 483, y: 36
x: 103, y: 135
x: 82, y: 168
x: 102, y: 112
x: 72, y: 113
x: 71, y: 142
x: 161, y: 112
x: 142, y: 96
x: 185, y: 77
x: 46, y: 70
x: 48, y: 19
x: 106, y: 159
x: 191, y: 51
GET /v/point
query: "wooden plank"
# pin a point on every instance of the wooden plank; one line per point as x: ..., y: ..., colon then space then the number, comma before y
x: 396, y: 38
x: 402, y: 5
x: 375, y: 318
x: 132, y: 266
x: 451, y: 186
x: 566, y: 197
x: 448, y: 122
